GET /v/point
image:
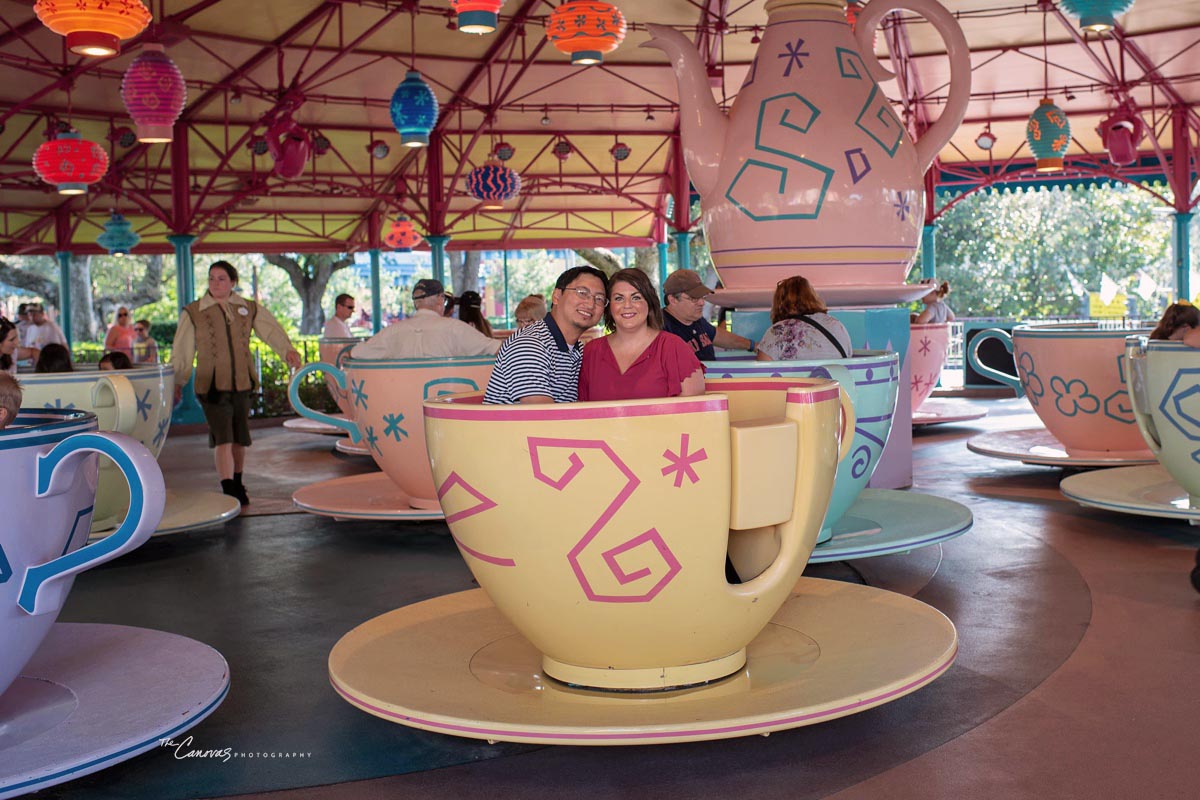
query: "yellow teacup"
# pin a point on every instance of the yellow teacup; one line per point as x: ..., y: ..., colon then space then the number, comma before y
x: 601, y: 529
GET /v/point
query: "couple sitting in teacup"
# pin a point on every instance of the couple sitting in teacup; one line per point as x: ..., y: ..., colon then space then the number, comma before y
x: 547, y: 363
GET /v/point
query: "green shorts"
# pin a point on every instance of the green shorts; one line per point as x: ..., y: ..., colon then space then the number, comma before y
x: 228, y: 417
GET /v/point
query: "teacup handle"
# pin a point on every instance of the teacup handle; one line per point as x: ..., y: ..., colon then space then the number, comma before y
x: 44, y: 587
x: 339, y: 378
x: 1005, y: 339
x: 849, y: 415
x: 1139, y: 396
x: 957, y: 50
x: 123, y: 398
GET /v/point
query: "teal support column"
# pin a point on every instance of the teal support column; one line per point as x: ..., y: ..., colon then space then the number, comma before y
x: 929, y: 251
x: 376, y: 293
x: 1183, y: 255
x: 64, y: 295
x: 663, y: 250
x: 682, y: 240
x: 508, y: 321
x: 437, y: 245
x: 188, y: 411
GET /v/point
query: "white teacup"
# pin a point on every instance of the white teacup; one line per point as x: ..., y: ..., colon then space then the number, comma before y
x: 1164, y: 387
x: 136, y: 402
x: 49, y: 487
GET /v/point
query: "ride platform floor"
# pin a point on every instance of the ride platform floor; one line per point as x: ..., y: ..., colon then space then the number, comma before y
x: 1079, y: 633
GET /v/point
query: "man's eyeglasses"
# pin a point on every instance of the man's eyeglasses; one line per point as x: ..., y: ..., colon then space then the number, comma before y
x: 350, y: 307
x: 587, y: 297
x: 137, y: 329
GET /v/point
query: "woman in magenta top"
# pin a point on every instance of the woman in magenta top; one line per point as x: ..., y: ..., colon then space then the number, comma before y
x: 638, y: 359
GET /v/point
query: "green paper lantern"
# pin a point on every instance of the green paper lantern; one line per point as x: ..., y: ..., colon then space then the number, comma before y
x: 1048, y: 133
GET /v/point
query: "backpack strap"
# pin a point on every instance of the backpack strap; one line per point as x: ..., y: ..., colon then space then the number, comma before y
x: 810, y: 321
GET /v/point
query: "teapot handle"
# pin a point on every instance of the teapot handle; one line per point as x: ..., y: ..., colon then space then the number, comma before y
x: 935, y: 138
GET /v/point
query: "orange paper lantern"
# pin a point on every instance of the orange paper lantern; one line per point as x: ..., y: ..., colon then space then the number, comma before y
x: 586, y: 30
x: 94, y: 27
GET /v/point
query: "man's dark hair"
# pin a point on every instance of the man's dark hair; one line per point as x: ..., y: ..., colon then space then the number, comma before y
x: 570, y: 275
x: 342, y: 298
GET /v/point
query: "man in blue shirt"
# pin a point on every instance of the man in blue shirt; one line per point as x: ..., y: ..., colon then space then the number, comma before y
x: 683, y: 310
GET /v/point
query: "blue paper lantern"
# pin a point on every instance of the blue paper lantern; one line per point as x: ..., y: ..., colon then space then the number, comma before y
x: 414, y: 110
x: 1096, y: 15
x: 493, y: 183
x: 1048, y: 133
x: 119, y: 237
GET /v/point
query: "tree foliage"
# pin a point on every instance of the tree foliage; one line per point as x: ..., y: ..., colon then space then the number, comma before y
x: 310, y: 274
x: 1025, y: 254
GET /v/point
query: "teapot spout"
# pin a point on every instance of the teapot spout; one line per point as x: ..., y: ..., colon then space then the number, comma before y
x: 702, y: 123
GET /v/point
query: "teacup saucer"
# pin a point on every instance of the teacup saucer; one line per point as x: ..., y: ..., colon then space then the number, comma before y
x: 1149, y: 491
x: 370, y: 496
x: 937, y: 411
x: 306, y: 425
x: 455, y: 665
x: 845, y: 294
x: 186, y: 510
x: 886, y: 521
x: 95, y: 695
x: 1039, y: 446
x: 352, y: 448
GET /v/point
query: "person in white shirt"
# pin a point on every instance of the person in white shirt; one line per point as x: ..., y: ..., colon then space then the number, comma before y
x: 41, y: 330
x: 336, y: 326
x: 427, y: 333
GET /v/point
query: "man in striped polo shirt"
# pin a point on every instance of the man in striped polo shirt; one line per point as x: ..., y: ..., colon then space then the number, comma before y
x: 540, y: 363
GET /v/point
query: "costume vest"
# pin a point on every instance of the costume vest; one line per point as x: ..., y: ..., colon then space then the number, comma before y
x: 223, y: 347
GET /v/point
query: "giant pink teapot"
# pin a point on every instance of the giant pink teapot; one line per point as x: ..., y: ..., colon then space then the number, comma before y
x: 812, y: 172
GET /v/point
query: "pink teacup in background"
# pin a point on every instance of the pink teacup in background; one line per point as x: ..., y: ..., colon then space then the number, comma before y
x: 927, y: 355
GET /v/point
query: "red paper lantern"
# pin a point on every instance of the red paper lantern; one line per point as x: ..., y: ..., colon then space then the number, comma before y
x: 586, y: 30
x: 403, y: 237
x: 70, y: 162
x: 94, y: 27
x: 154, y: 94
x: 477, y: 16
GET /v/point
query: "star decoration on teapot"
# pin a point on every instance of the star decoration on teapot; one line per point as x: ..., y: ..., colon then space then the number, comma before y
x: 793, y: 54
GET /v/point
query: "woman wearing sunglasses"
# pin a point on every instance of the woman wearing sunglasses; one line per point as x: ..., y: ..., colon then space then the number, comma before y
x: 121, y: 336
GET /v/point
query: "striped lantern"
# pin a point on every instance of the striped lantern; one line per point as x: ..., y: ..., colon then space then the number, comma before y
x: 1098, y: 16
x: 1048, y: 133
x: 493, y: 183
x: 93, y: 27
x: 119, y: 237
x: 70, y: 162
x: 586, y: 30
x: 154, y: 94
x: 414, y: 110
x: 477, y: 16
x: 403, y: 237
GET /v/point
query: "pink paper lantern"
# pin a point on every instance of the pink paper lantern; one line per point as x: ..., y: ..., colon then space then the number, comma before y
x: 154, y: 94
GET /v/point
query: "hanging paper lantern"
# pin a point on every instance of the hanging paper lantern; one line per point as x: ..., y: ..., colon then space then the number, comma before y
x: 154, y: 94
x: 1096, y: 15
x: 493, y: 183
x: 414, y: 110
x: 562, y: 149
x: 93, y: 27
x: 477, y: 16
x: 505, y: 151
x: 123, y: 136
x: 70, y: 162
x: 620, y: 151
x: 1048, y: 133
x: 119, y: 237
x: 586, y: 30
x: 403, y: 237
